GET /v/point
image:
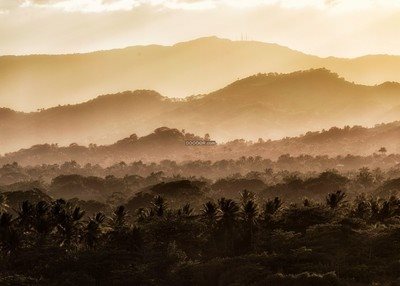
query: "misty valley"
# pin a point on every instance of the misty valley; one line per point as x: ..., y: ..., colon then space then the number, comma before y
x: 212, y: 161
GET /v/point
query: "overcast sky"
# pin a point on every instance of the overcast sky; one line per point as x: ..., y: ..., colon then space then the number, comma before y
x: 345, y: 28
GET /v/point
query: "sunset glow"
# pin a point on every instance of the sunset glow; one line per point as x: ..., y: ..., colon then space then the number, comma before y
x: 339, y: 28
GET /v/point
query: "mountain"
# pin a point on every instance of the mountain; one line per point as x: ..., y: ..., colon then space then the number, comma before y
x: 169, y: 144
x: 195, y: 67
x: 269, y: 106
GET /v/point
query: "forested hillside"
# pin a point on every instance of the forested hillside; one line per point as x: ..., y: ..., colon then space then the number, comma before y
x: 169, y: 144
x: 270, y: 106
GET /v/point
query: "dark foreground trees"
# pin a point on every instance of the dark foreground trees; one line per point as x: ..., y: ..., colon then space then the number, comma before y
x: 227, y: 242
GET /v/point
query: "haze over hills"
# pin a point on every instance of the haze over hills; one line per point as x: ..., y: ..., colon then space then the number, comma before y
x: 169, y: 144
x: 269, y: 106
x: 194, y: 67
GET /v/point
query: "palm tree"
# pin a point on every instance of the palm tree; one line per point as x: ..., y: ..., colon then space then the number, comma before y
x: 143, y: 214
x: 229, y: 210
x: 249, y: 215
x: 307, y: 202
x: 334, y: 200
x: 118, y: 221
x: 229, y: 213
x: 272, y: 206
x: 3, y: 203
x: 43, y: 222
x: 365, y: 177
x: 69, y: 224
x: 185, y: 211
x: 362, y: 208
x: 245, y: 196
x: 385, y: 211
x: 25, y: 215
x: 159, y: 206
x: 58, y: 207
x: 9, y: 237
x: 249, y: 212
x: 209, y: 213
x: 93, y: 230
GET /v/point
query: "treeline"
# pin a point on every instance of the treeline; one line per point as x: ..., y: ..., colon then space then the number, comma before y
x: 329, y: 147
x: 14, y: 172
x: 134, y: 191
x: 225, y: 242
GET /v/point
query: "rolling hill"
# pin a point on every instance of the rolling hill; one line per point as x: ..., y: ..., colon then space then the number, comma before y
x: 264, y: 105
x: 169, y: 144
x: 195, y: 67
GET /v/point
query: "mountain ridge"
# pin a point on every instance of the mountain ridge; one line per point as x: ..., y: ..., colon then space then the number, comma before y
x: 169, y: 144
x: 264, y: 105
x: 193, y: 67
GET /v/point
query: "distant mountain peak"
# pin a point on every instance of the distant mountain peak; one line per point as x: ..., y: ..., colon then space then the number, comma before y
x: 129, y: 93
x: 203, y: 41
x: 311, y: 74
x: 207, y: 39
x: 390, y: 84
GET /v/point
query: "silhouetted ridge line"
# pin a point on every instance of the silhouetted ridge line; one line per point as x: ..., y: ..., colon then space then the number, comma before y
x: 174, y: 71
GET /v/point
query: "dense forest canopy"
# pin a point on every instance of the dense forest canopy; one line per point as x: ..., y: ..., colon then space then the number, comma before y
x: 250, y: 241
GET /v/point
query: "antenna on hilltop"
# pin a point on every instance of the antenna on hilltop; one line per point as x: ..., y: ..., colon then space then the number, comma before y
x: 244, y: 37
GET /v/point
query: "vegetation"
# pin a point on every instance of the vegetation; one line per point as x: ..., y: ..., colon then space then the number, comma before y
x: 352, y: 147
x: 321, y: 208
x: 261, y: 228
x: 263, y: 105
x: 224, y: 242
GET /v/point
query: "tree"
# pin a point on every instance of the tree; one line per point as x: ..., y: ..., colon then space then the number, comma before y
x: 334, y: 200
x: 3, y: 203
x: 43, y: 221
x: 10, y: 239
x: 159, y: 206
x: 25, y: 215
x: 249, y: 216
x: 69, y: 223
x: 229, y: 213
x: 229, y: 210
x: 249, y: 212
x: 246, y: 196
x: 382, y: 150
x: 93, y: 230
x: 118, y: 220
x: 362, y: 208
x: 209, y: 213
x: 185, y: 211
x: 364, y: 177
x: 271, y: 207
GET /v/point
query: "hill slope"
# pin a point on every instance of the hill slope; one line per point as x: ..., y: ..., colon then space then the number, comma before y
x: 265, y: 105
x: 169, y: 144
x: 199, y: 66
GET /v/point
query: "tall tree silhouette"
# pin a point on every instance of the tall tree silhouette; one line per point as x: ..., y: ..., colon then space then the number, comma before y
x: 229, y: 213
x: 334, y: 200
x: 94, y: 230
x: 249, y: 217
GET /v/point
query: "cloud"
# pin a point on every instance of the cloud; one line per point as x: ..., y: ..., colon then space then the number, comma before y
x: 96, y: 6
x: 85, y: 6
x: 323, y: 27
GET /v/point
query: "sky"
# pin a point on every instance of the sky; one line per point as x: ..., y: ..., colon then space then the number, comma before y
x: 343, y: 28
